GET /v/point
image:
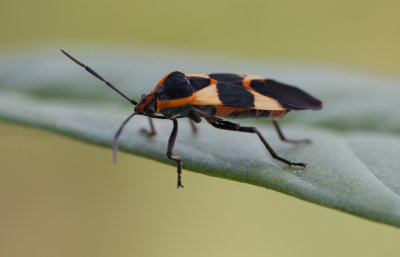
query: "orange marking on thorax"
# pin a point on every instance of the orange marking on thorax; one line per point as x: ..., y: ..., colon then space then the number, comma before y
x: 159, y: 84
x: 163, y: 104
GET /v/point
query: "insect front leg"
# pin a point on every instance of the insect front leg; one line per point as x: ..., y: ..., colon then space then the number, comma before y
x: 255, y: 130
x: 283, y: 138
x: 152, y: 131
x: 171, y: 143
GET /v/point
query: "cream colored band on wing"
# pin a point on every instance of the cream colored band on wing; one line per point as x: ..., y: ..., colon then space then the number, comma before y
x: 209, y: 96
x: 262, y: 102
x: 251, y: 77
x: 197, y: 75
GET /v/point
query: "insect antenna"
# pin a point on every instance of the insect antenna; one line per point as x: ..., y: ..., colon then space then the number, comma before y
x: 117, y: 134
x: 91, y: 71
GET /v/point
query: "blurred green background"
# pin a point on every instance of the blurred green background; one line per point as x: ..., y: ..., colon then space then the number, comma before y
x: 60, y: 197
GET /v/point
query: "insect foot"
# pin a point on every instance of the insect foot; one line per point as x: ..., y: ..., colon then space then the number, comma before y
x: 299, y: 164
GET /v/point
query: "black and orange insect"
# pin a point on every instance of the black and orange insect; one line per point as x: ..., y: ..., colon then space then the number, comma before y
x: 214, y: 97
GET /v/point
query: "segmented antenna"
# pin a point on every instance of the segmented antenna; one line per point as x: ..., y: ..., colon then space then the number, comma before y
x: 91, y: 71
x: 115, y: 142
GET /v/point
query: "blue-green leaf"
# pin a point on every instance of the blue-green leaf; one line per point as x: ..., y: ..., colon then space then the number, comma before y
x: 354, y: 164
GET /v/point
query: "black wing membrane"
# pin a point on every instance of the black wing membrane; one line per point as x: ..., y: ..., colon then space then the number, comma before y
x: 233, y: 95
x: 290, y: 97
x: 229, y: 78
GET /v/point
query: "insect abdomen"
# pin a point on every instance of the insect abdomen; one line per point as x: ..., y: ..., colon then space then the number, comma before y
x: 247, y: 113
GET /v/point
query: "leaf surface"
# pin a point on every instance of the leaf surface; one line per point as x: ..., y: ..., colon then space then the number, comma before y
x: 354, y: 164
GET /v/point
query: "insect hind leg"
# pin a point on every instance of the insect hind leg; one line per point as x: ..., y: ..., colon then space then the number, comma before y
x: 237, y: 127
x: 283, y: 138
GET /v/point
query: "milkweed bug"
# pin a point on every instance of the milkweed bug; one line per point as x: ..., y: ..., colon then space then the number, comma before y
x: 214, y: 97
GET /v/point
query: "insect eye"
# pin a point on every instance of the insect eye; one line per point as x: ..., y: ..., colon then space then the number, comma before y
x: 150, y: 108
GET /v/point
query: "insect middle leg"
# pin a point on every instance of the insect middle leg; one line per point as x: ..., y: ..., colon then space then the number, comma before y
x: 195, y: 130
x: 239, y: 128
x: 153, y: 131
x: 171, y: 143
x: 283, y: 138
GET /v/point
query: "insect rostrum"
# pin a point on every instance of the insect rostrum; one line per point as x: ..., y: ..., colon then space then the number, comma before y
x: 215, y: 97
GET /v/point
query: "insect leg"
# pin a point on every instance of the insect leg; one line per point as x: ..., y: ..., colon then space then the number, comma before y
x: 210, y: 117
x: 195, y: 130
x: 283, y: 138
x: 171, y: 143
x: 255, y: 130
x: 152, y: 131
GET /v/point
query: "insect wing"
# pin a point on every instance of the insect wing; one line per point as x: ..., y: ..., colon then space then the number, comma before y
x: 290, y: 97
x: 219, y: 94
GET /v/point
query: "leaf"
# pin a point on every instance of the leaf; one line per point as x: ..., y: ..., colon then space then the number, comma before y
x: 354, y: 164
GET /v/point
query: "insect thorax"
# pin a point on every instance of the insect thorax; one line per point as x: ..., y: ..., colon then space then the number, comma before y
x: 175, y: 86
